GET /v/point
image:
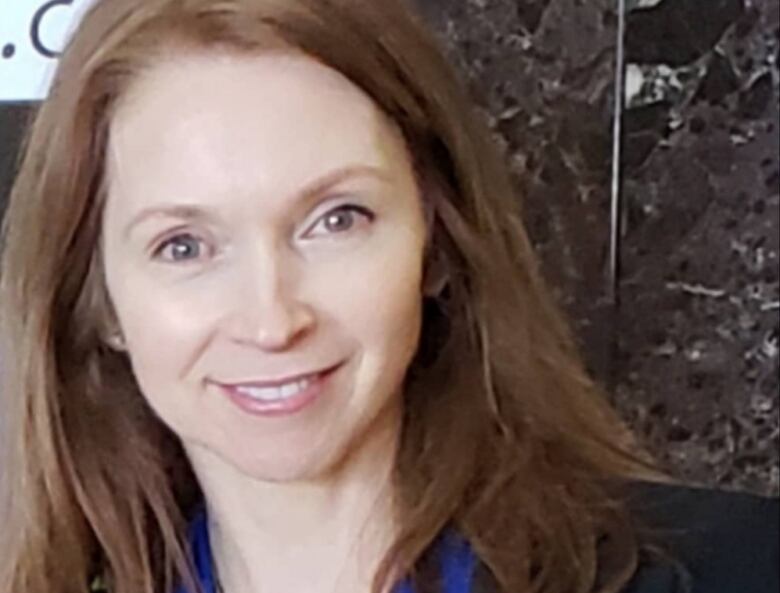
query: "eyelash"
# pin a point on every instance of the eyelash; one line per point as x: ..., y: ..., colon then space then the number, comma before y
x: 365, y: 212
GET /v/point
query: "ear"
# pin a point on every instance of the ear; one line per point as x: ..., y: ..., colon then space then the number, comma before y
x: 436, y: 269
x: 435, y: 278
x: 96, y: 308
x: 116, y: 341
x: 436, y: 272
x: 108, y: 329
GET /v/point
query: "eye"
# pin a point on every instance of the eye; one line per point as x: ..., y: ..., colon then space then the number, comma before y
x: 342, y: 219
x: 181, y: 247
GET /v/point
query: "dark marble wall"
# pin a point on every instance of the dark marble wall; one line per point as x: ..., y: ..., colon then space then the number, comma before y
x: 543, y: 74
x: 698, y: 358
x: 692, y: 349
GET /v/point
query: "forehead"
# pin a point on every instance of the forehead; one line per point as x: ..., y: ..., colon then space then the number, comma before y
x: 227, y: 122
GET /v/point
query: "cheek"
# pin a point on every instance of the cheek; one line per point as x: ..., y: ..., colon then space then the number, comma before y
x: 382, y: 305
x: 164, y: 346
x: 164, y: 333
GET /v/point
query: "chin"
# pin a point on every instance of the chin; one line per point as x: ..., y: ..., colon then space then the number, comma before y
x: 303, y: 466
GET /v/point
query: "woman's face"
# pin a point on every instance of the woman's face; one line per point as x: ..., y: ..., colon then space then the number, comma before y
x: 263, y: 222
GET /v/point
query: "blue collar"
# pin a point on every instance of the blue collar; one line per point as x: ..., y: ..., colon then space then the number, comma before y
x: 456, y: 558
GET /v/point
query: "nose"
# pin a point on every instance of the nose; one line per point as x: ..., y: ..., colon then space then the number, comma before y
x: 268, y: 315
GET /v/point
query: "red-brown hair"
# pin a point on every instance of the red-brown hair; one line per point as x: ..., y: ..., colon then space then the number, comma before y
x: 504, y: 434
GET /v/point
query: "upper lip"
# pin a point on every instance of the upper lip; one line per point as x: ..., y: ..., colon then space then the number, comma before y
x: 277, y: 382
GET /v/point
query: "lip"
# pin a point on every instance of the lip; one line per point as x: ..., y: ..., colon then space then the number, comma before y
x: 277, y: 382
x: 285, y: 407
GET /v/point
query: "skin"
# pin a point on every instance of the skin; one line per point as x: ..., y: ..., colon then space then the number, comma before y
x: 254, y: 282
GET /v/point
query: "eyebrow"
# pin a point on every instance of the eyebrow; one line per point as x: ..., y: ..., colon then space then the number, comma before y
x: 192, y: 212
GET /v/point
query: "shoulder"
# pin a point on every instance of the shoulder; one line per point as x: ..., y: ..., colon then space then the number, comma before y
x: 727, y: 542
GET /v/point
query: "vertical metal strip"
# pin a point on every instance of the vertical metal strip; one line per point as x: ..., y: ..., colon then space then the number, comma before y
x: 612, y: 377
x: 615, y: 198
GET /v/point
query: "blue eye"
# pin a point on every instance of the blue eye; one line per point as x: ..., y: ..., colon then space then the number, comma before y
x: 181, y: 247
x: 342, y: 219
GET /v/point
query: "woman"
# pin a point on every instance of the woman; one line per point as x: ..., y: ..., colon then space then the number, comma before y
x: 283, y: 330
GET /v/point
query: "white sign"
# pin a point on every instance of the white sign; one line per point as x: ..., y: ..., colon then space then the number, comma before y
x: 32, y: 34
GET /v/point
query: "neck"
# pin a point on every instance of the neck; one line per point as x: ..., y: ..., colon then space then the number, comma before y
x: 314, y: 536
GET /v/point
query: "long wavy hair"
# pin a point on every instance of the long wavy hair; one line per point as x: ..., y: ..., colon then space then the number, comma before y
x: 504, y: 436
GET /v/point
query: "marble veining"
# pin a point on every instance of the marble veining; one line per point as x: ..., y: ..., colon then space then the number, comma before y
x: 698, y: 356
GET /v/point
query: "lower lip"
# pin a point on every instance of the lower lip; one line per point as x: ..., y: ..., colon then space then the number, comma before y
x: 281, y: 407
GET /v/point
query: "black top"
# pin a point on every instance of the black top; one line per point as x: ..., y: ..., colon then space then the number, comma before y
x: 728, y: 542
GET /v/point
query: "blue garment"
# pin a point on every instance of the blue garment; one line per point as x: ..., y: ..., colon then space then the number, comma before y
x: 456, y: 558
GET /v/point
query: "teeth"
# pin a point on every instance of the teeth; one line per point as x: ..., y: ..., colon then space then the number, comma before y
x: 275, y: 393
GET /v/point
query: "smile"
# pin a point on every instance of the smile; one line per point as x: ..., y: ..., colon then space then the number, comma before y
x: 275, y: 393
x: 282, y: 399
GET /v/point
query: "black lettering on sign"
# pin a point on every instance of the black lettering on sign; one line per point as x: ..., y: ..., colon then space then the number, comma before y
x: 35, y: 27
